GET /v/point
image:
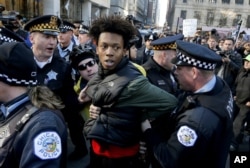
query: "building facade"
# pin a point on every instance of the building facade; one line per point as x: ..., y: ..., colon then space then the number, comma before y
x: 86, y: 10
x: 210, y: 13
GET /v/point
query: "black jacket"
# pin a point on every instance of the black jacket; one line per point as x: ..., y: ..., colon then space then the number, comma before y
x: 201, y: 134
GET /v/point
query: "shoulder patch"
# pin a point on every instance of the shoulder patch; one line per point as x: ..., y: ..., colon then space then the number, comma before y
x: 186, y: 136
x: 47, y: 145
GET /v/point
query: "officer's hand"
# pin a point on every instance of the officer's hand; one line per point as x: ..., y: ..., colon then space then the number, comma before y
x: 94, y: 111
x: 145, y: 125
x: 83, y: 97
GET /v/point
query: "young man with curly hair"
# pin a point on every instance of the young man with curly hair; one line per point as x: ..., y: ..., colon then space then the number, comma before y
x: 121, y: 98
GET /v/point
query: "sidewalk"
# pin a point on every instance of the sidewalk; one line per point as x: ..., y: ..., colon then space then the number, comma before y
x: 82, y: 163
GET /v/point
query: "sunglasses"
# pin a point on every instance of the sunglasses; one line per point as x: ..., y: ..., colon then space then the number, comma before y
x: 83, y: 67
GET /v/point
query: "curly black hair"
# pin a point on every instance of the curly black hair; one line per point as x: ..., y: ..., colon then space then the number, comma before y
x: 112, y: 24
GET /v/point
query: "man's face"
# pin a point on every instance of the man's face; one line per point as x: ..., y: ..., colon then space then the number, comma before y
x: 227, y: 45
x: 65, y: 38
x: 90, y: 69
x: 247, y: 65
x: 83, y: 38
x: 43, y: 45
x: 76, y: 30
x: 184, y: 76
x: 110, y: 49
x: 147, y: 44
x: 212, y: 43
x: 169, y: 56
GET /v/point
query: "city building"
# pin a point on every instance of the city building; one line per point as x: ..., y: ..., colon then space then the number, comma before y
x: 221, y: 14
x: 144, y: 11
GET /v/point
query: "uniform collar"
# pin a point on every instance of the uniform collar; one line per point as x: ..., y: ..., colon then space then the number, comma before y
x: 208, y: 86
x: 9, y: 107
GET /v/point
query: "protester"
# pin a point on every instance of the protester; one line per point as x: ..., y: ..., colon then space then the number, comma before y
x: 201, y: 127
x: 84, y: 61
x: 123, y: 95
x: 231, y: 63
x: 54, y: 72
x: 242, y: 99
x: 33, y: 131
x: 213, y: 44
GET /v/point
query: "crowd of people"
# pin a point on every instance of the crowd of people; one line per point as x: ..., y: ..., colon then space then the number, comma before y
x: 126, y: 101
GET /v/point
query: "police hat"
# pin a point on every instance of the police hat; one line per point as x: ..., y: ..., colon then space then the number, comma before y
x: 9, y: 36
x: 66, y: 26
x: 47, y: 24
x: 166, y: 43
x: 83, y: 29
x: 191, y: 54
x: 17, y: 65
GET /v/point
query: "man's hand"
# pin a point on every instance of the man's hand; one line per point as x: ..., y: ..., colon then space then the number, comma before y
x: 94, y: 111
x: 83, y: 97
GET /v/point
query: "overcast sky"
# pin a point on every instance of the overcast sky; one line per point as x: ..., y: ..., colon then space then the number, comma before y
x: 163, y: 11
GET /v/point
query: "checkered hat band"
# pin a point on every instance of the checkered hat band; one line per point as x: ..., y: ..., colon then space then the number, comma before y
x: 84, y: 30
x: 171, y: 46
x: 44, y: 27
x: 18, y: 82
x: 67, y: 27
x: 6, y: 39
x: 194, y: 62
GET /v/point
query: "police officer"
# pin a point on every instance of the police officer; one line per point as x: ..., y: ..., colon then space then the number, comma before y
x: 55, y: 72
x: 7, y: 36
x: 146, y: 51
x: 159, y: 70
x: 202, y: 122
x: 65, y: 44
x: 159, y: 67
x: 33, y: 131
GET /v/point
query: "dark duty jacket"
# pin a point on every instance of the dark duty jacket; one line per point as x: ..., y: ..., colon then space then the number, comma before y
x: 202, y: 131
x: 40, y: 141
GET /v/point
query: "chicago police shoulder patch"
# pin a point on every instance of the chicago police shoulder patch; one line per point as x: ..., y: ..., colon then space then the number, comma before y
x: 186, y: 136
x: 47, y: 145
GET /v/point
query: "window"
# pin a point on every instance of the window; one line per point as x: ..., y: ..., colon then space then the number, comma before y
x: 223, y: 21
x: 183, y: 14
x: 199, y: 1
x: 184, y: 1
x: 197, y: 15
x: 226, y: 1
x: 210, y: 18
x: 240, y: 2
x: 212, y: 1
x: 236, y: 20
x: 248, y: 21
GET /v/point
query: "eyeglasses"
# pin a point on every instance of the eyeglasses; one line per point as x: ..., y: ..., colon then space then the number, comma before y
x: 88, y: 64
x: 77, y: 27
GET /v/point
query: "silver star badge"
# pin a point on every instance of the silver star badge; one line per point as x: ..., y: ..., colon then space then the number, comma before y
x: 52, y: 75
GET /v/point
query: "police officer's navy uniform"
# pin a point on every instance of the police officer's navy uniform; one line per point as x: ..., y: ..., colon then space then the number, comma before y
x: 158, y: 75
x: 202, y: 123
x: 57, y: 75
x: 30, y: 136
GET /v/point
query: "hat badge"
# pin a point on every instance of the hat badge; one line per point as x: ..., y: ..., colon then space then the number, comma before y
x: 53, y: 21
